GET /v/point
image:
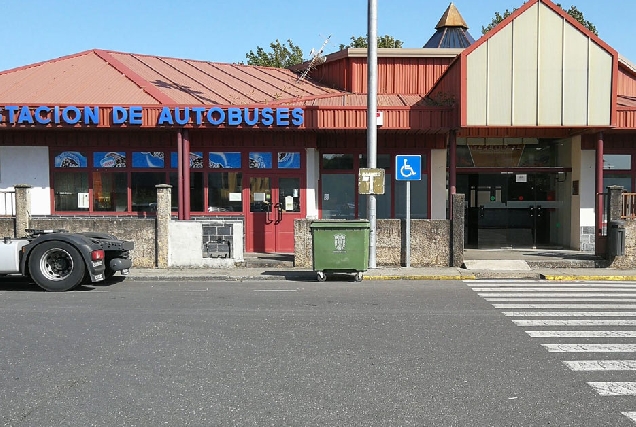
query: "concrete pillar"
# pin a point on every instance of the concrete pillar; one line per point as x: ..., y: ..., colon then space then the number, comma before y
x: 311, y: 187
x: 164, y: 210
x: 452, y: 170
x: 22, y: 209
x: 457, y: 230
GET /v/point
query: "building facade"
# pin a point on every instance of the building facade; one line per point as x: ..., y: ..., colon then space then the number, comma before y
x: 530, y: 122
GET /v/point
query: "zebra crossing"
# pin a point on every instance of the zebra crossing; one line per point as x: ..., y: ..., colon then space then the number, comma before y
x: 580, y: 310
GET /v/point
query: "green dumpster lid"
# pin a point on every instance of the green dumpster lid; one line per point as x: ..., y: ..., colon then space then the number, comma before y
x: 340, y: 223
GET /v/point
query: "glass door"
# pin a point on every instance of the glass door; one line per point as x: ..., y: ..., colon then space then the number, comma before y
x: 513, y: 210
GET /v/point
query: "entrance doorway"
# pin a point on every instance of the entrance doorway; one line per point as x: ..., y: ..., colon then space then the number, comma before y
x: 272, y: 206
x: 512, y: 210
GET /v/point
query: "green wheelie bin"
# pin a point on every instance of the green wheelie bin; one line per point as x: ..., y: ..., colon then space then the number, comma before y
x: 340, y: 246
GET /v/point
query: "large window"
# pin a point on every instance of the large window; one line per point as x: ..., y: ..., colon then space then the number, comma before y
x: 225, y: 192
x: 110, y: 192
x: 339, y: 189
x: 71, y: 191
x: 144, y: 191
x: 338, y: 196
x: 617, y: 170
x: 125, y: 181
x: 70, y: 181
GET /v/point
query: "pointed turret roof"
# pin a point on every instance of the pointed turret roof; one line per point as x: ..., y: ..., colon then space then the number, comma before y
x: 451, y: 18
x: 452, y: 31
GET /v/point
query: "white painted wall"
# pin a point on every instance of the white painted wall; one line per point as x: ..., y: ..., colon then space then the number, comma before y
x: 311, y: 191
x: 539, y: 70
x: 27, y: 165
x: 583, y: 205
x: 439, y: 192
x: 588, y: 188
x: 185, y: 246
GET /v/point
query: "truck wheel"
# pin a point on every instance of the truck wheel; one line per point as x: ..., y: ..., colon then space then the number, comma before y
x: 56, y: 266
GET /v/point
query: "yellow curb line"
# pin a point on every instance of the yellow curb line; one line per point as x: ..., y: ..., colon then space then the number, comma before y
x: 581, y: 277
x: 418, y: 277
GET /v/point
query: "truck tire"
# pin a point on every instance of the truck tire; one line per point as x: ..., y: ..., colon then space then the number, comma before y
x: 56, y: 266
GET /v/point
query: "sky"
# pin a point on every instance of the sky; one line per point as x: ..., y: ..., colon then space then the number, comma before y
x: 225, y: 30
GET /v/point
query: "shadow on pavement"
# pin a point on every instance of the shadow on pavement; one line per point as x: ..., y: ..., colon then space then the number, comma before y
x: 302, y: 276
x: 24, y: 284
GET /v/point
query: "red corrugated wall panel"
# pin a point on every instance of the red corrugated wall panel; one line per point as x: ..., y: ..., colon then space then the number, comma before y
x: 407, y: 75
x: 626, y: 83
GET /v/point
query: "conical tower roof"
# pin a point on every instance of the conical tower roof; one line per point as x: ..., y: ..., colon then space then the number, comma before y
x: 451, y: 18
x: 452, y: 31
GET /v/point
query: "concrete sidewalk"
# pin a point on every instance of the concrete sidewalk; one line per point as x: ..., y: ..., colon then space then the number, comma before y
x: 498, y: 270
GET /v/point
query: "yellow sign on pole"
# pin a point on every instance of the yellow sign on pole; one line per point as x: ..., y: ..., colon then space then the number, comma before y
x: 371, y: 181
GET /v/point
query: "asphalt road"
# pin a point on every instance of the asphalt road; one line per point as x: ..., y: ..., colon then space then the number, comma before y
x: 269, y: 353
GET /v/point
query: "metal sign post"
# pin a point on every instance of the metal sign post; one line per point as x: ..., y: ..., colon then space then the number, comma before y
x: 408, y: 168
x: 372, y: 128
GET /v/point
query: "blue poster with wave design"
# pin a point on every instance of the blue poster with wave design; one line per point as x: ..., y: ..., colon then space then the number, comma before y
x: 260, y: 160
x: 288, y: 160
x: 225, y: 160
x: 71, y: 159
x: 147, y: 159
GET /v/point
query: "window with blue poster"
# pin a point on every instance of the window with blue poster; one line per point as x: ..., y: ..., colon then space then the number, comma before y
x: 147, y: 159
x: 224, y: 160
x: 109, y: 159
x: 196, y: 160
x: 71, y: 159
x: 288, y: 160
x: 260, y: 160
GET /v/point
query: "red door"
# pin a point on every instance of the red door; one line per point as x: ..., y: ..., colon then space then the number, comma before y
x: 273, y: 203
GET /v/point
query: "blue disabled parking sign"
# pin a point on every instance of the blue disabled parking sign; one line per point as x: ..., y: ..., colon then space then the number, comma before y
x: 408, y: 167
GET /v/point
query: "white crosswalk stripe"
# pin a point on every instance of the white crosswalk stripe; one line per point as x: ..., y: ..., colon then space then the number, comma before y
x: 630, y: 415
x: 590, y: 348
x: 601, y: 365
x: 562, y: 288
x: 546, y: 299
x: 575, y: 305
x: 565, y: 306
x: 582, y: 334
x: 553, y: 294
x: 570, y: 313
x: 614, y: 388
x: 574, y: 322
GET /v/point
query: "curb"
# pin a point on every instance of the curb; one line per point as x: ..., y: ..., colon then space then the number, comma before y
x: 416, y: 277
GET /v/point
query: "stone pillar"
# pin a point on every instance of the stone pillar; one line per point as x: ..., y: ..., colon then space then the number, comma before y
x: 457, y: 230
x: 164, y: 210
x: 22, y: 209
x: 614, y: 193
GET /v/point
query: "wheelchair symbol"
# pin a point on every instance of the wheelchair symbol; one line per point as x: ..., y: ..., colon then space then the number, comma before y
x: 406, y: 170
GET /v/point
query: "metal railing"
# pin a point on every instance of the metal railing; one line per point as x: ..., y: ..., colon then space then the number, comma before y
x: 629, y: 206
x: 7, y: 203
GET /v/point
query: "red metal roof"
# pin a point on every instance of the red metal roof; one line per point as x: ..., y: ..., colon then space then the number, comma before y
x: 100, y: 77
x: 83, y: 78
x: 357, y: 100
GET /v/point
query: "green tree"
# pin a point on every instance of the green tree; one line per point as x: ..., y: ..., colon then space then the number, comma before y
x: 578, y: 15
x: 383, y: 41
x: 572, y: 11
x: 496, y: 20
x: 281, y: 56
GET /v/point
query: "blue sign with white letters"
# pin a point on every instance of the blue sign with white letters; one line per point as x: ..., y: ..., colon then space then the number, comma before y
x: 408, y: 167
